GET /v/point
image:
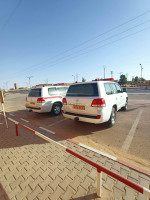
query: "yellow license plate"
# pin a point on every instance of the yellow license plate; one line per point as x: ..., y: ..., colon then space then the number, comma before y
x: 32, y: 103
x: 78, y: 107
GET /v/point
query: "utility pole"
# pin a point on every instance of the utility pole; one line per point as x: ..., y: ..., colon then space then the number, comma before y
x: 77, y: 75
x: 29, y: 77
x: 141, y: 74
x: 74, y: 78
x: 104, y: 71
x: 111, y: 74
x: 6, y: 83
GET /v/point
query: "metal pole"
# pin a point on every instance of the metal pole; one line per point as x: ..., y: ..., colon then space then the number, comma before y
x: 99, y: 183
x: 104, y: 72
x: 4, y: 115
x: 74, y: 78
x: 141, y: 74
x: 111, y: 74
x: 16, y: 126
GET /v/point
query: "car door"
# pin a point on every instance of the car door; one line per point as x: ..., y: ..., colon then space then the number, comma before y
x: 116, y: 95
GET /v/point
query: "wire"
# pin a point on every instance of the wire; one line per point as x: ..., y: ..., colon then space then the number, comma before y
x: 10, y: 16
x: 83, y: 43
x: 62, y: 58
x: 96, y: 48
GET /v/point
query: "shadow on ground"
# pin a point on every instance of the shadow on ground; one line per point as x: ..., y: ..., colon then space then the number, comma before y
x: 3, y: 195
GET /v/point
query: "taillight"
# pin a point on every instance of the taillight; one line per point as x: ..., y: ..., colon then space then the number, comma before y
x: 64, y: 101
x: 40, y: 100
x: 98, y: 103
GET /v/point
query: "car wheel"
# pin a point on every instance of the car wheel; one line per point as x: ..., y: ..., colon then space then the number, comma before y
x: 112, y: 119
x: 124, y: 108
x: 56, y: 110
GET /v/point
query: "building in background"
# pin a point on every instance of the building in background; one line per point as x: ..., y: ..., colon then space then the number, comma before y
x: 16, y: 86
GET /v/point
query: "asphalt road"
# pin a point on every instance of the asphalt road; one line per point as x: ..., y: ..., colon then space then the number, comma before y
x: 127, y: 140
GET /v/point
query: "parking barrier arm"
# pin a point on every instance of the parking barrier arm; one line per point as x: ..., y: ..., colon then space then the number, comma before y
x: 112, y: 174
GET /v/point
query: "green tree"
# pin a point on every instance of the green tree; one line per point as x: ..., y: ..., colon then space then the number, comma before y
x: 136, y: 80
x: 83, y: 79
x: 123, y: 80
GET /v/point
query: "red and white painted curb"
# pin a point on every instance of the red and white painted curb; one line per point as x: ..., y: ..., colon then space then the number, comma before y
x: 112, y: 158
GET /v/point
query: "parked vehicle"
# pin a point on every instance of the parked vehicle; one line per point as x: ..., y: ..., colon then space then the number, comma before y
x: 95, y: 102
x: 46, y: 99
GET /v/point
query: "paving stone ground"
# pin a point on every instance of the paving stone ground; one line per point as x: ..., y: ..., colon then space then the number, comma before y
x: 33, y: 169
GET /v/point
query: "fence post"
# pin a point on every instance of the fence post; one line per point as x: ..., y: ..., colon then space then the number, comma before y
x: 99, y: 183
x: 16, y: 125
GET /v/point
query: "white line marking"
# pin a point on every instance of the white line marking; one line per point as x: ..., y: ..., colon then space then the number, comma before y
x: 99, y: 152
x: 58, y: 122
x: 11, y: 114
x: 47, y: 130
x: 24, y: 120
x: 131, y: 133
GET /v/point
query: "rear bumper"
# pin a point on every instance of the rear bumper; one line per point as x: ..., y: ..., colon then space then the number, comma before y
x: 84, y: 118
x: 42, y: 108
x: 38, y: 110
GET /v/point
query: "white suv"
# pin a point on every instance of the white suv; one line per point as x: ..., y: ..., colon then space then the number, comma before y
x: 95, y: 102
x: 46, y: 99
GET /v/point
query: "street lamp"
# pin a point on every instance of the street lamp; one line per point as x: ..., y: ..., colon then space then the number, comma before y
x: 74, y: 78
x: 141, y: 74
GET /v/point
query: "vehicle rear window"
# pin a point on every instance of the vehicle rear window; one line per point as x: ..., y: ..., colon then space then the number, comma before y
x: 62, y: 90
x: 53, y: 91
x: 35, y: 92
x: 84, y: 90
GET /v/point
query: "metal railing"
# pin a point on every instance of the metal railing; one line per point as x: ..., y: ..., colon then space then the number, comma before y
x: 99, y: 168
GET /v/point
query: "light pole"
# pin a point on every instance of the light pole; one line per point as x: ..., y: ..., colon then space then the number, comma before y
x: 29, y: 77
x: 74, y: 78
x: 141, y: 74
x: 111, y: 74
x: 104, y: 71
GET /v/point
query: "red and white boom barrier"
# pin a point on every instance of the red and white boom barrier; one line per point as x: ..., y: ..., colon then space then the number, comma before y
x: 99, y: 168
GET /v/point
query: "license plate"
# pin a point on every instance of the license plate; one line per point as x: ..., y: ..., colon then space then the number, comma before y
x: 32, y: 103
x: 78, y: 107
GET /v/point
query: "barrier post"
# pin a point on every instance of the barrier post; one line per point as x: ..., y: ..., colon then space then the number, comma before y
x: 16, y: 125
x: 99, y: 183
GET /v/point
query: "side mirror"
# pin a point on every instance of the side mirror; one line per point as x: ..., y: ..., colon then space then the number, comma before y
x: 124, y: 89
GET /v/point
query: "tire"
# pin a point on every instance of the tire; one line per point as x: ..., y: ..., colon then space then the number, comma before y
x: 111, y: 122
x: 124, y: 108
x: 56, y: 110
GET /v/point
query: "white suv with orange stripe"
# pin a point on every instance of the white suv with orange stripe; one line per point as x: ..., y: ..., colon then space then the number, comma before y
x: 95, y: 102
x: 46, y: 99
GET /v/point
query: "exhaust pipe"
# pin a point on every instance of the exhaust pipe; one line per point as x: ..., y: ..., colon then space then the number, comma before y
x: 76, y: 118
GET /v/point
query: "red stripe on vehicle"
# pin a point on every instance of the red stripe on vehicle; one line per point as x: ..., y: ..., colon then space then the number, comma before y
x: 53, y: 97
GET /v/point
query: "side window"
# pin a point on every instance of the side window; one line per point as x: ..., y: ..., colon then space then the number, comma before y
x: 53, y: 91
x: 114, y: 89
x: 108, y: 88
x: 119, y: 90
x: 62, y: 90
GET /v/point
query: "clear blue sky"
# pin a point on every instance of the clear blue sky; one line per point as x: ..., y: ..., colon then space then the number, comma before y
x: 53, y: 40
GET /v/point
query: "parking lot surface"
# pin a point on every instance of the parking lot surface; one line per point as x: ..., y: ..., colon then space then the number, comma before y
x: 128, y: 140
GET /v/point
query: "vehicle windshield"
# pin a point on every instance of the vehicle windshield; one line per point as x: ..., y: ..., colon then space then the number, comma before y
x: 35, y: 92
x: 83, y: 90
